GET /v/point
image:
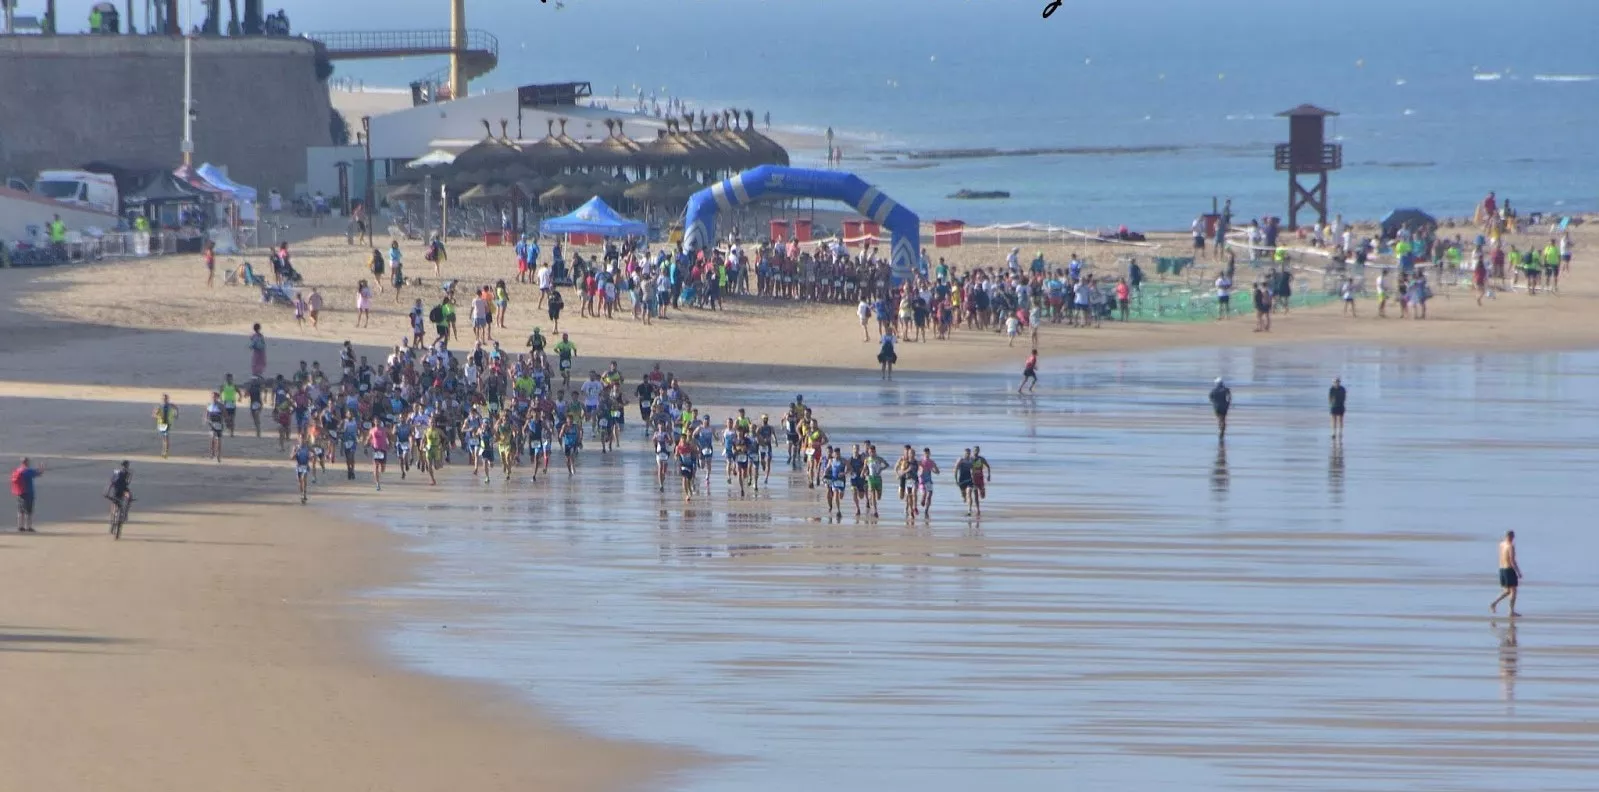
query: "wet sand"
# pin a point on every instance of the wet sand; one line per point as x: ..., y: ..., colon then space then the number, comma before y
x: 228, y: 641
x: 1137, y: 610
x: 1273, y: 614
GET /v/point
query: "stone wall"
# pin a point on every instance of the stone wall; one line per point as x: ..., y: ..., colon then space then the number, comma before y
x: 69, y: 100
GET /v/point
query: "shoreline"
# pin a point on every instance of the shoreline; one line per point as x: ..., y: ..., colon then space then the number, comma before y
x: 283, y: 625
x: 243, y: 627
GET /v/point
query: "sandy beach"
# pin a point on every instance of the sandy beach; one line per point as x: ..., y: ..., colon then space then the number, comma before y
x: 227, y: 641
x: 224, y: 642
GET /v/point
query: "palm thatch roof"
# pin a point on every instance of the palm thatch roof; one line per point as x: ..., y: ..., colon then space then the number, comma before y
x: 565, y: 195
x: 486, y: 192
x: 489, y: 154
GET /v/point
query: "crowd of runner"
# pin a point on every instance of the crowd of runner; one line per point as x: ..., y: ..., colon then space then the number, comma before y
x: 424, y: 409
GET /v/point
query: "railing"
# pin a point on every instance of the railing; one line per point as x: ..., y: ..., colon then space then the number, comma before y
x: 1332, y: 158
x: 378, y: 43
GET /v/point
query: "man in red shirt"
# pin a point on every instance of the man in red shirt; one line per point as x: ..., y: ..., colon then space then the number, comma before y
x: 22, y: 487
x: 1029, y: 373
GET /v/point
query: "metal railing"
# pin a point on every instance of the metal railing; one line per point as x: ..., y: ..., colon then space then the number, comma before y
x: 347, y: 44
x: 1332, y: 158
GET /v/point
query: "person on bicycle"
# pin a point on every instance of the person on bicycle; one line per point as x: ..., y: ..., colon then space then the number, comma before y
x: 119, y: 491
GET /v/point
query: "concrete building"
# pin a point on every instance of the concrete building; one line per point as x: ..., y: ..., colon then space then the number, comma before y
x: 260, y: 101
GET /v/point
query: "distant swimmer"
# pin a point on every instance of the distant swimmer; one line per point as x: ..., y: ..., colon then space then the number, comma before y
x: 1336, y: 396
x: 1029, y: 373
x: 1509, y: 573
x: 1221, y: 400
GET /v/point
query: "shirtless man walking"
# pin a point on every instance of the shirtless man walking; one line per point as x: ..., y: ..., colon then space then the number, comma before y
x: 1509, y: 573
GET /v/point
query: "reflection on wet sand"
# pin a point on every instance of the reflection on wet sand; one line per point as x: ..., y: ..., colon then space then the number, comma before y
x: 1140, y: 608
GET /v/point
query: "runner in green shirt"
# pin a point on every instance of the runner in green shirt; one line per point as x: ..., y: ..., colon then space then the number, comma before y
x: 230, y: 401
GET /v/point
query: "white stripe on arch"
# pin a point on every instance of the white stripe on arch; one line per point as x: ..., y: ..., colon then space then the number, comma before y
x: 864, y: 205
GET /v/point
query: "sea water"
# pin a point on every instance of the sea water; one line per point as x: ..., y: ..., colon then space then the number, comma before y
x: 1440, y: 102
x: 1141, y: 607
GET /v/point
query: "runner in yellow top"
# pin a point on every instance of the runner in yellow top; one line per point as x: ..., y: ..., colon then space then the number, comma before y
x: 230, y: 401
x: 432, y: 451
x: 165, y: 413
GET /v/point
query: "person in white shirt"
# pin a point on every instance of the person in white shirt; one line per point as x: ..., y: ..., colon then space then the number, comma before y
x: 275, y: 202
x: 480, y: 317
x: 1224, y: 293
x: 864, y: 312
x: 545, y: 279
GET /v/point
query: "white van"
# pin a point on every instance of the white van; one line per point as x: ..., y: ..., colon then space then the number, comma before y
x: 79, y: 188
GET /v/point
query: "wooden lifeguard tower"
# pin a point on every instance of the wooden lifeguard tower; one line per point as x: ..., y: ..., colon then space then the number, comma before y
x: 1307, y: 153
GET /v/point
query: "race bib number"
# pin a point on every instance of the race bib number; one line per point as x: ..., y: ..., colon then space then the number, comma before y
x: 349, y: 445
x: 301, y: 469
x: 378, y: 456
x: 743, y: 459
x: 162, y: 428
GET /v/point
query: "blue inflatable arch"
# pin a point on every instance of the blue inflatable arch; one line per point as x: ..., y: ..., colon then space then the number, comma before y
x: 775, y: 181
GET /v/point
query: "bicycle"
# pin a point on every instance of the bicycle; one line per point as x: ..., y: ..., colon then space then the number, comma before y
x: 121, y: 516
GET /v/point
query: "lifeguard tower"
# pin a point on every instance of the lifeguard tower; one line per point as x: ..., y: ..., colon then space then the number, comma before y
x: 1307, y: 153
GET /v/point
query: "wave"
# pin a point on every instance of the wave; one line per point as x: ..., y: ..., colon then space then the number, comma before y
x: 1398, y: 164
x: 1565, y: 77
x: 985, y: 153
x: 1487, y: 76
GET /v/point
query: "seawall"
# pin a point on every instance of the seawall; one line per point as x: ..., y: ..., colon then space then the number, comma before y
x: 74, y: 99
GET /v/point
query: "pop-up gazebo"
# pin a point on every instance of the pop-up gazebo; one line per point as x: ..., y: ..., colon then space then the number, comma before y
x: 593, y: 217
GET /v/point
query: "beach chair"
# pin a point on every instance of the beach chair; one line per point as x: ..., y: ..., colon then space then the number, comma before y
x: 250, y: 278
x: 276, y: 295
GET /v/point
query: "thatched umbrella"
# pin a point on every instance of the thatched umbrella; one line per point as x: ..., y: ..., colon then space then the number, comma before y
x: 565, y: 195
x: 610, y: 189
x: 549, y: 154
x: 614, y: 150
x: 484, y: 193
x: 531, y: 187
x: 682, y: 190
x: 405, y: 192
x: 668, y: 149
x: 650, y: 191
x: 491, y: 154
x: 766, y: 150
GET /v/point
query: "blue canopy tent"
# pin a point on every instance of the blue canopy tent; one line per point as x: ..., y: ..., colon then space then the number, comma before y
x: 594, y: 217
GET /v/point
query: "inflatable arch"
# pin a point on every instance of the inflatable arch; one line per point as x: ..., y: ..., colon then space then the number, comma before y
x: 775, y: 181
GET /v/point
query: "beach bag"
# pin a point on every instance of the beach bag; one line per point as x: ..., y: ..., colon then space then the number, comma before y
x: 431, y: 256
x: 436, y: 315
x: 16, y: 482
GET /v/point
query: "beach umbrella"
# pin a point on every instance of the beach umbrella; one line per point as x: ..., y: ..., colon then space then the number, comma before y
x: 484, y: 193
x: 549, y: 154
x: 614, y: 150
x: 489, y: 154
x: 609, y: 189
x: 669, y: 149
x: 405, y: 192
x: 1401, y: 218
x: 531, y: 187
x: 650, y: 191
x: 565, y: 195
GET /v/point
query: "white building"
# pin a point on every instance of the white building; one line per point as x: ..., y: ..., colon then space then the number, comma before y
x: 403, y: 135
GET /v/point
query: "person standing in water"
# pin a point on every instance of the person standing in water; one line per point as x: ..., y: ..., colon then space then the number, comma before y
x: 1221, y: 401
x: 1336, y: 396
x: 1509, y: 573
x: 1029, y: 373
x: 886, y: 356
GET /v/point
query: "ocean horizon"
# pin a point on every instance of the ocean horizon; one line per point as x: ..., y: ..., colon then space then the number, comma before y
x: 1173, y: 102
